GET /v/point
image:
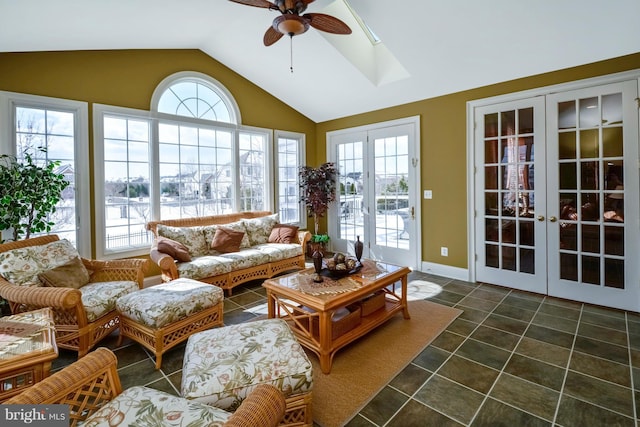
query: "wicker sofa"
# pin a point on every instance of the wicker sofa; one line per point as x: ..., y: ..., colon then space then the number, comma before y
x: 83, y: 315
x: 257, y: 258
x: 92, y: 389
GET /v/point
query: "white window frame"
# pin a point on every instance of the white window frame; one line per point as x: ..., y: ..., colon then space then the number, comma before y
x: 194, y: 76
x: 8, y: 103
x: 99, y: 111
x: 300, y: 137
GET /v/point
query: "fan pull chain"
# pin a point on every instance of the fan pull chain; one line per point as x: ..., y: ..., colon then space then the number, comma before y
x: 291, y: 52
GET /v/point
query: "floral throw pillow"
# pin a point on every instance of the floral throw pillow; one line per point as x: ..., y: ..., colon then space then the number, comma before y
x: 191, y: 237
x: 259, y: 229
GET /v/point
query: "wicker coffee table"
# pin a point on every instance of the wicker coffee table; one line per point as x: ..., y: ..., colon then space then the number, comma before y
x: 327, y: 316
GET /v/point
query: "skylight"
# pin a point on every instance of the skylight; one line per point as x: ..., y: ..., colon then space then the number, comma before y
x: 363, y: 48
x: 367, y: 30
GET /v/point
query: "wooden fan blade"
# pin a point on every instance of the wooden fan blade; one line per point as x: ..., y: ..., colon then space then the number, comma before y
x: 257, y: 3
x: 327, y: 23
x: 271, y: 36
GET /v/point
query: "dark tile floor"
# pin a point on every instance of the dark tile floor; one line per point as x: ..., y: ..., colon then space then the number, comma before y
x: 510, y: 359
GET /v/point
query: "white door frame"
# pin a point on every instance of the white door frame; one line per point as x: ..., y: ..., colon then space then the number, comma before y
x: 414, y: 121
x: 471, y: 160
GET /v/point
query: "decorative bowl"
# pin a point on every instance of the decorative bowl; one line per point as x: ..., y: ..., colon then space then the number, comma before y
x: 350, y: 266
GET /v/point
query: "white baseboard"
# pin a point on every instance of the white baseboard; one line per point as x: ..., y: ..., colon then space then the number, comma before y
x: 445, y: 271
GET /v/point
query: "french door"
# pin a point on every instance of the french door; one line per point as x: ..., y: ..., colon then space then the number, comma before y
x: 594, y: 214
x: 556, y: 195
x: 377, y: 192
x: 510, y: 195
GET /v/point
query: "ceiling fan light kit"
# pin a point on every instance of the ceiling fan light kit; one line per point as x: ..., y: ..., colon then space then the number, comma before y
x: 291, y: 22
x: 291, y: 25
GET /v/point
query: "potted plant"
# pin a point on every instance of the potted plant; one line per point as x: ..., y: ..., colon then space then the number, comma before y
x: 318, y: 187
x: 29, y: 193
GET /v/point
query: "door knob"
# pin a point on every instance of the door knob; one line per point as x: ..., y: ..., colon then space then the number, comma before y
x: 553, y: 219
x: 540, y: 218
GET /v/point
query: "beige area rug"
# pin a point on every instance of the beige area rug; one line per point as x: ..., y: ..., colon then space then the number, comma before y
x: 364, y: 367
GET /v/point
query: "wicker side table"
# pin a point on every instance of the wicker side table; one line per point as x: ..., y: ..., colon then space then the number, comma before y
x: 27, y: 347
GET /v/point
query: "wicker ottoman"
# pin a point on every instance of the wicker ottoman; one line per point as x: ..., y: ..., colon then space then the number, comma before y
x: 163, y: 316
x: 223, y: 365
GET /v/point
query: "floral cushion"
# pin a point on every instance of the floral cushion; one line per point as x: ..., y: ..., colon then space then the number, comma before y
x: 279, y: 251
x: 210, y: 233
x: 204, y: 266
x: 246, y: 258
x: 99, y: 298
x: 259, y: 229
x: 192, y: 237
x: 223, y: 365
x: 143, y: 406
x: 21, y: 266
x: 161, y: 305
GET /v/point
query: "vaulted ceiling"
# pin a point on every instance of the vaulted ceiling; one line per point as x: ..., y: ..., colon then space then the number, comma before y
x: 429, y: 48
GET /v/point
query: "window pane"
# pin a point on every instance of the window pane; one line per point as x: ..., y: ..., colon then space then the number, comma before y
x: 53, y: 131
x: 127, y: 205
x: 191, y: 98
x: 288, y: 186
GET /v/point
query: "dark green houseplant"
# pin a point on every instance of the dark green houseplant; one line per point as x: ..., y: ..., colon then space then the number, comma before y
x: 318, y: 191
x: 29, y: 193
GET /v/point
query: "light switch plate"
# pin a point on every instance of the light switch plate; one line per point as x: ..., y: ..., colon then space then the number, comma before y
x: 428, y: 194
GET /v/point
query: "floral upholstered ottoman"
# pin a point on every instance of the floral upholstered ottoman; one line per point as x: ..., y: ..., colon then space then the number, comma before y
x: 223, y: 365
x: 162, y: 316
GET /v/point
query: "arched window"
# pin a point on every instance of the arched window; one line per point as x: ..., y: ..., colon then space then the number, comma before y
x: 195, y: 95
x: 189, y: 156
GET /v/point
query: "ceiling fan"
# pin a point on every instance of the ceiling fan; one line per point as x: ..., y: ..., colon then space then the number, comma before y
x: 292, y: 22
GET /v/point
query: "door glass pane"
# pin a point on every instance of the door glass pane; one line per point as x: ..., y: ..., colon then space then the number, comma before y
x: 567, y: 115
x: 391, y: 162
x: 589, y: 112
x: 491, y: 151
x: 589, y: 143
x: 592, y: 216
x: 491, y: 125
x: 569, y: 267
x: 525, y: 122
x: 614, y: 273
x: 567, y: 145
x: 612, y: 109
x: 527, y: 260
x: 589, y: 175
x: 351, y: 185
x: 509, y: 210
x: 568, y: 178
x: 612, y: 142
x: 508, y: 123
x: 491, y: 203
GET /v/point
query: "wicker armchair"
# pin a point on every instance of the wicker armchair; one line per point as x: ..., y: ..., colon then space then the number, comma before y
x: 74, y: 329
x: 93, y: 383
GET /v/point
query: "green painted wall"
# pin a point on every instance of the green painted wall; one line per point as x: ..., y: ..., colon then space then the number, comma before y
x: 128, y: 77
x: 443, y: 151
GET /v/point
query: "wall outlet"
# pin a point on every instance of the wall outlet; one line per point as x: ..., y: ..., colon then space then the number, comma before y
x: 444, y: 251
